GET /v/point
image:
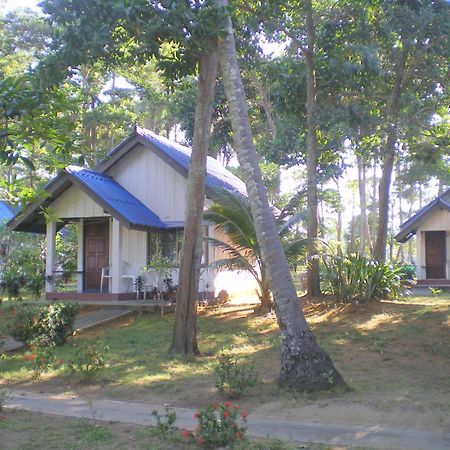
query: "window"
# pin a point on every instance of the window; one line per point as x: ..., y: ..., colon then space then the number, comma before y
x: 166, y: 243
x: 169, y: 243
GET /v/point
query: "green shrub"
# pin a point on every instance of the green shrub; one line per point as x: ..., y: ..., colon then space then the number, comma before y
x: 233, y: 377
x: 355, y: 277
x: 42, y: 355
x: 218, y: 425
x: 88, y: 360
x: 53, y: 323
x: 165, y: 423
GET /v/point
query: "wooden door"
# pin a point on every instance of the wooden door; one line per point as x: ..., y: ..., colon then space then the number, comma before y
x: 435, y: 254
x: 96, y: 254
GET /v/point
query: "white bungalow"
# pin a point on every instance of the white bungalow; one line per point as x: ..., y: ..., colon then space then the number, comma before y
x: 132, y: 205
x: 431, y: 226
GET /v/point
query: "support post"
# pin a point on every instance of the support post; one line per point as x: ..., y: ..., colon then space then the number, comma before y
x: 50, y: 260
x: 116, y: 257
x: 80, y: 255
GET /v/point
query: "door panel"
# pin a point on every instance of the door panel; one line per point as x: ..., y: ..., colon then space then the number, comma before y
x: 96, y: 238
x: 435, y: 254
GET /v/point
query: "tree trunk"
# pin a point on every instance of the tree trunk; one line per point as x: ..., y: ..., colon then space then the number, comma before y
x: 304, y: 365
x: 365, y: 240
x: 184, y: 340
x: 312, y: 225
x: 388, y: 163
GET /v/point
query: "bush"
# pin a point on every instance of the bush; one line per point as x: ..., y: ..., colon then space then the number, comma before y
x: 54, y: 323
x: 165, y: 423
x: 88, y: 360
x: 42, y: 355
x: 355, y: 277
x: 233, y: 377
x: 218, y: 425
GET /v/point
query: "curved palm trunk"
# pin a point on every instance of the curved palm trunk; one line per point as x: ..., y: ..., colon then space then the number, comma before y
x: 184, y: 341
x: 304, y: 365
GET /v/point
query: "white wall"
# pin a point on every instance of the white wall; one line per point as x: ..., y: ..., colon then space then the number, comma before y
x: 75, y: 203
x: 438, y: 220
x: 154, y: 182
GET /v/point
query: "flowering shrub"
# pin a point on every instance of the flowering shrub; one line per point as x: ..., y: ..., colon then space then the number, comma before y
x: 233, y: 377
x: 218, y: 425
x: 41, y: 357
x: 88, y: 360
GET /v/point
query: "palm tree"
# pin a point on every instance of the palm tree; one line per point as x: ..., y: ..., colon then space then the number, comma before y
x: 231, y: 214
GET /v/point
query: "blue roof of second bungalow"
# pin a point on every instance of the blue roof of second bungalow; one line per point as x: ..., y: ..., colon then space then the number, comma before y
x: 6, y: 211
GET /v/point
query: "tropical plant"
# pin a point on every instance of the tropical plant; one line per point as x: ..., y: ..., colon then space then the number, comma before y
x: 354, y: 277
x: 232, y: 216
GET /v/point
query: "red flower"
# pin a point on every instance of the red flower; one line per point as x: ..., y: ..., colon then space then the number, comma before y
x: 30, y: 357
x: 244, y: 414
x: 226, y: 414
x: 186, y: 434
x: 227, y: 404
x: 196, y: 415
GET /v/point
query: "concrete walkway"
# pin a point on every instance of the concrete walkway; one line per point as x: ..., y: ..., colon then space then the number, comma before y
x: 98, y: 317
x: 82, y: 323
x: 138, y: 413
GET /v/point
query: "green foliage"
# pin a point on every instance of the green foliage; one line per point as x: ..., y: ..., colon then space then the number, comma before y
x: 354, y: 277
x: 219, y: 425
x: 54, y: 323
x: 233, y: 376
x: 165, y: 423
x: 42, y: 355
x: 161, y: 264
x: 88, y: 360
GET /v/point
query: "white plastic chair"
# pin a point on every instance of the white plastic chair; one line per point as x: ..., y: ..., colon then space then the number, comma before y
x: 106, y: 273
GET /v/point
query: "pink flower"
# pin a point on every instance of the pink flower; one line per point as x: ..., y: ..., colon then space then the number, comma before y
x: 244, y: 414
x: 196, y: 415
x: 226, y: 414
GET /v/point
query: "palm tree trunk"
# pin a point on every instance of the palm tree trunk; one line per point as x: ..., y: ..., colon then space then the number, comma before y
x: 184, y: 339
x: 304, y: 365
x: 312, y: 224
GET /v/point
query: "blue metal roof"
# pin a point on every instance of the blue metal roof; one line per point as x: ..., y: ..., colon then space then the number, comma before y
x: 216, y: 175
x: 6, y: 211
x: 114, y: 198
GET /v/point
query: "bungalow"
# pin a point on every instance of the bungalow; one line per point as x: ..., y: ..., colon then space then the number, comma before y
x: 431, y: 226
x: 128, y: 209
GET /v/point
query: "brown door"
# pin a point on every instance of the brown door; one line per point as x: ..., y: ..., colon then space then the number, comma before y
x: 435, y: 258
x: 96, y: 254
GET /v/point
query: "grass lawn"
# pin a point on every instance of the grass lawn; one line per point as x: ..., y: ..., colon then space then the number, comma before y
x: 395, y: 356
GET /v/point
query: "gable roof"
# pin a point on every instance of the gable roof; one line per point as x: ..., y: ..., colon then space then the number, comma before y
x: 6, y: 211
x: 113, y: 197
x: 178, y: 156
x: 409, y: 228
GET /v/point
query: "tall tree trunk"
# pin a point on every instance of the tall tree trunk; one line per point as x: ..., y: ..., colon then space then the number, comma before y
x: 312, y: 223
x: 374, y: 206
x: 365, y: 240
x: 401, y: 251
x: 389, y: 157
x: 184, y: 339
x: 304, y: 365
